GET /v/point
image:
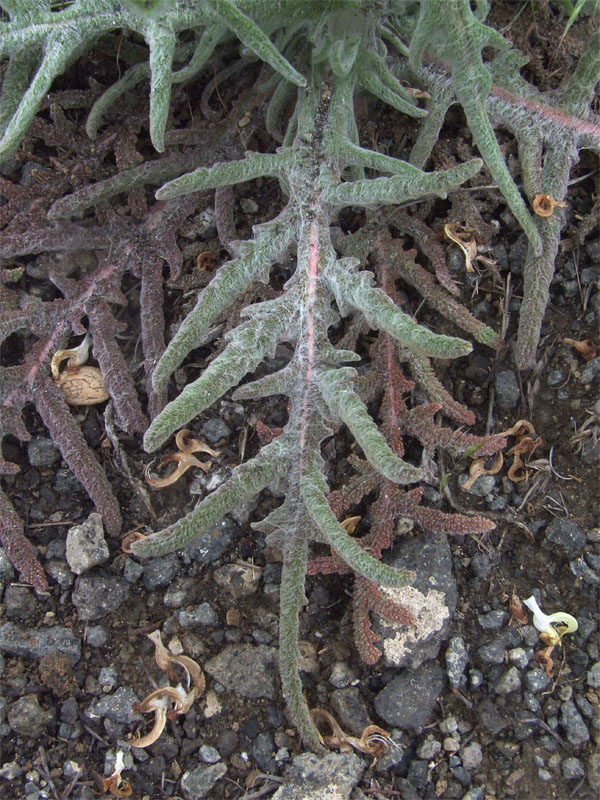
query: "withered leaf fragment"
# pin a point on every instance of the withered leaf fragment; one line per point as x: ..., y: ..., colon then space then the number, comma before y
x: 81, y: 385
x: 183, y: 458
x: 478, y: 468
x: 169, y: 701
x: 114, y: 784
x: 586, y: 348
x: 374, y: 741
x: 544, y: 205
x: 463, y: 238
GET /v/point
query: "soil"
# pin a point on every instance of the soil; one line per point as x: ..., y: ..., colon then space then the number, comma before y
x: 561, y: 483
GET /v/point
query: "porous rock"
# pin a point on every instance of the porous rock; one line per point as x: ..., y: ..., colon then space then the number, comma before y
x: 312, y: 777
x: 431, y: 599
x: 86, y: 545
x: 249, y: 670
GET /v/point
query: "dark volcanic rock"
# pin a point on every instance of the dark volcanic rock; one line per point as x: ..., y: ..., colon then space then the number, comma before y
x: 408, y: 700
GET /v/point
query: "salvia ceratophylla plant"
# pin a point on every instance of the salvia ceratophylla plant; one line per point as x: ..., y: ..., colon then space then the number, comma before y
x: 317, y: 56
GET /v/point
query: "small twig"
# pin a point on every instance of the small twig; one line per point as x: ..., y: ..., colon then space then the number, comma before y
x: 45, y: 772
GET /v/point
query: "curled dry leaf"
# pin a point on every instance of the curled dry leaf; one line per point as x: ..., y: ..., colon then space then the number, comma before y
x: 81, y: 385
x: 418, y: 94
x: 129, y: 539
x: 350, y: 524
x: 586, y: 348
x: 524, y: 447
x: 266, y: 434
x: 515, y: 609
x: 183, y: 458
x: 543, y: 658
x: 522, y: 427
x: 464, y: 239
x: 204, y: 261
x: 478, y: 468
x: 169, y: 701
x: 374, y: 741
x: 544, y: 205
x: 114, y: 783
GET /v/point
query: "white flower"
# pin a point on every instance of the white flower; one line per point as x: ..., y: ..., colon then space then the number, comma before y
x: 545, y: 622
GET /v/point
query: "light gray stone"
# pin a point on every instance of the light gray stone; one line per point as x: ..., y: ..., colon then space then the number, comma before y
x: 86, y: 545
x: 329, y: 777
x: 247, y: 669
x: 94, y: 596
x: 456, y: 660
x: 199, y: 781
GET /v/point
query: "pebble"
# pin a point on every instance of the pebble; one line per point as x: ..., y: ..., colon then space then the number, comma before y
x: 418, y: 773
x: 94, y: 596
x: 564, y: 535
x: 493, y: 620
x: 208, y: 754
x: 482, y: 486
x: 211, y: 544
x: 480, y: 565
x: 430, y: 748
x: 555, y: 377
x: 239, y: 580
x: 572, y: 769
x: 311, y: 777
x: 215, y: 430
x: 491, y: 719
x: 475, y: 793
x: 59, y: 571
x: 41, y: 451
x: 491, y: 653
x: 248, y: 670
x: 593, y: 676
x: 509, y: 682
x: 409, y: 699
x: 342, y: 675
x: 591, y: 371
x: 27, y: 718
x: 472, y: 755
x: 108, y: 677
x: 180, y: 593
x: 536, y: 680
x: 456, y: 660
x: 38, y: 642
x: 350, y: 709
x: 7, y: 572
x: 198, y: 616
x: 160, y: 571
x: 86, y: 546
x: 520, y: 657
x: 96, y: 636
x: 196, y: 783
x: 117, y: 707
x: 593, y: 770
x: 508, y: 392
x: 475, y: 678
x: 132, y: 570
x: 263, y: 751
x: 10, y: 770
x: 448, y: 725
x: 582, y: 571
x: 451, y: 744
x: 573, y: 724
x: 20, y: 603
